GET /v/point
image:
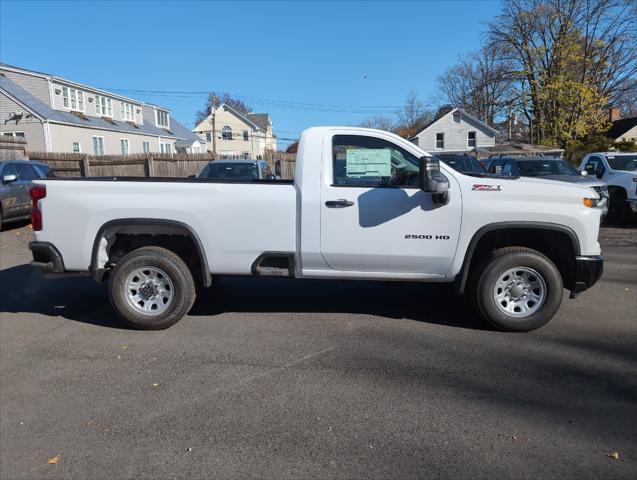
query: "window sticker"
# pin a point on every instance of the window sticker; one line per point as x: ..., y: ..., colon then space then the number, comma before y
x: 365, y: 162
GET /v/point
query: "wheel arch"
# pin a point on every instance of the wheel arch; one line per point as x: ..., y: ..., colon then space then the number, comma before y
x: 144, y: 223
x: 511, y: 234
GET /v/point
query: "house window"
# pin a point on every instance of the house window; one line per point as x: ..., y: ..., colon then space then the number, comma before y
x: 245, y: 135
x: 226, y: 133
x: 146, y: 147
x: 440, y: 141
x: 128, y: 112
x: 76, y: 147
x: 103, y: 106
x: 162, y: 118
x: 165, y: 148
x: 456, y: 117
x: 471, y: 139
x: 98, y: 145
x: 13, y: 134
x: 73, y: 99
x: 123, y: 142
x: 208, y: 137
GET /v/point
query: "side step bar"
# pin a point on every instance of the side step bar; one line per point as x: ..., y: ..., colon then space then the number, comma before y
x: 274, y: 264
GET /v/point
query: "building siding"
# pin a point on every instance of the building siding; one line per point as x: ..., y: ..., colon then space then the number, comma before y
x: 31, y: 126
x: 90, y: 106
x: 629, y: 135
x: 455, y: 135
x: 63, y: 136
x: 37, y: 86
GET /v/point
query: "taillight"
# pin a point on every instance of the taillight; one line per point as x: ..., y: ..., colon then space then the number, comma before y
x: 37, y: 192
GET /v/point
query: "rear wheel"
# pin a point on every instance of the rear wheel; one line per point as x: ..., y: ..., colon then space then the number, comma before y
x: 517, y: 289
x: 151, y: 288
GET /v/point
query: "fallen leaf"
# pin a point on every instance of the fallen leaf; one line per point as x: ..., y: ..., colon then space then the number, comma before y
x: 155, y: 384
x: 614, y: 455
x: 53, y: 460
x: 124, y: 347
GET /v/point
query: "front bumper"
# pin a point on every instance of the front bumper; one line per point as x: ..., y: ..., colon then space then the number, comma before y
x: 632, y: 204
x: 588, y: 269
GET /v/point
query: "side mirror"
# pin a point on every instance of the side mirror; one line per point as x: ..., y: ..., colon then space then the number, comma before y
x: 432, y: 181
x: 9, y: 178
x: 583, y: 173
x: 270, y: 176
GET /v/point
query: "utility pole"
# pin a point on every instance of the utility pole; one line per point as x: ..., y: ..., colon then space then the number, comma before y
x: 213, y: 106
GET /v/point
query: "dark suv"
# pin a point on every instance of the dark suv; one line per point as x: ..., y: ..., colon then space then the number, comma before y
x: 15, y: 183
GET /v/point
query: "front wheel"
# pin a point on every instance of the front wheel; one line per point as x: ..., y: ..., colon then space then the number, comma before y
x: 517, y: 290
x: 151, y: 288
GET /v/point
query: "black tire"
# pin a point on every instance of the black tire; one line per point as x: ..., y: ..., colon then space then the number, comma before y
x: 617, y: 208
x: 483, y: 287
x: 0, y: 219
x: 170, y: 265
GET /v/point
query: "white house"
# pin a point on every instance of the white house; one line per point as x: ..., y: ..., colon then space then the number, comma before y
x: 455, y: 131
x: 238, y: 134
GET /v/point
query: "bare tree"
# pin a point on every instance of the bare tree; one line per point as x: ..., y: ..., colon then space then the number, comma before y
x: 480, y: 83
x: 379, y: 122
x: 218, y: 100
x: 412, y: 116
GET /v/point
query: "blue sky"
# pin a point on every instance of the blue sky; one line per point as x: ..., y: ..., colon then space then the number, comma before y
x: 345, y: 54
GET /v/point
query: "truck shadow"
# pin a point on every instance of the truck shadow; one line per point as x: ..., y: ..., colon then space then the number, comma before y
x: 24, y: 289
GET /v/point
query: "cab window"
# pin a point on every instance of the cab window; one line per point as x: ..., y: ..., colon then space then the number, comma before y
x: 364, y: 161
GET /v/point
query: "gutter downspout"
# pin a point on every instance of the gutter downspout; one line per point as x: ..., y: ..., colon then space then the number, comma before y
x: 47, y: 136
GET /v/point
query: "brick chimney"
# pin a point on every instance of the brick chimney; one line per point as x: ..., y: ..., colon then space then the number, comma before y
x: 614, y: 114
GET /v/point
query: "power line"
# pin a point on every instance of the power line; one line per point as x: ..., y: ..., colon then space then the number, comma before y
x: 287, y: 104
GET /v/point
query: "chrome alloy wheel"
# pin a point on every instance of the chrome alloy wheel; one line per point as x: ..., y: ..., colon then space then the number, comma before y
x: 149, y: 290
x: 519, y: 292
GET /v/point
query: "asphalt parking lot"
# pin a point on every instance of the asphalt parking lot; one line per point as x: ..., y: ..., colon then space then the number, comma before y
x: 271, y: 378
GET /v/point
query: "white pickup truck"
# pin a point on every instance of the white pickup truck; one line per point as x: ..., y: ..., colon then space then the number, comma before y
x: 364, y: 204
x: 619, y: 171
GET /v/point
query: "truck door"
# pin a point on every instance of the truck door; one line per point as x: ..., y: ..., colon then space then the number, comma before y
x: 374, y: 217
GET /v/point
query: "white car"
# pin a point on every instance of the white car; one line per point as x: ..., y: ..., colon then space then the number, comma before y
x: 364, y: 204
x: 619, y: 171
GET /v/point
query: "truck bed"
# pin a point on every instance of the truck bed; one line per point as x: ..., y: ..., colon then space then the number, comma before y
x: 235, y: 221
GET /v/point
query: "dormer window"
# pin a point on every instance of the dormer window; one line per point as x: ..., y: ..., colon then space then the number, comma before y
x: 103, y: 106
x: 128, y: 112
x: 456, y: 117
x: 162, y: 119
x: 73, y: 99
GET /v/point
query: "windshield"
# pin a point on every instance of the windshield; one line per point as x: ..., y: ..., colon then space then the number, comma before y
x: 623, y: 162
x: 539, y: 168
x: 463, y: 163
x: 230, y: 171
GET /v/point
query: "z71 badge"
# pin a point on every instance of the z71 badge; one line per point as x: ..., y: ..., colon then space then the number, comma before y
x: 487, y: 188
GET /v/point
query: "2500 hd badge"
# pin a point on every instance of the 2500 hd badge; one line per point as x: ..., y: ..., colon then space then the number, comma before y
x: 428, y: 237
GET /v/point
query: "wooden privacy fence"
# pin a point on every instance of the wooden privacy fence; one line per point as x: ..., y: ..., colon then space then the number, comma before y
x: 146, y: 164
x: 12, y: 148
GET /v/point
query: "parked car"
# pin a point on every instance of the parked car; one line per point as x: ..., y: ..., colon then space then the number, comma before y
x: 364, y: 204
x: 237, y: 170
x: 619, y: 171
x: 15, y: 183
x: 466, y: 164
x: 549, y: 168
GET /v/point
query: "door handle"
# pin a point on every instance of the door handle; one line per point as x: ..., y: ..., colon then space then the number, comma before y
x: 340, y: 203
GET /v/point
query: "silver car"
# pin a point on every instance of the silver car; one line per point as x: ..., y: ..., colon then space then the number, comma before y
x: 549, y: 168
x: 15, y: 182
